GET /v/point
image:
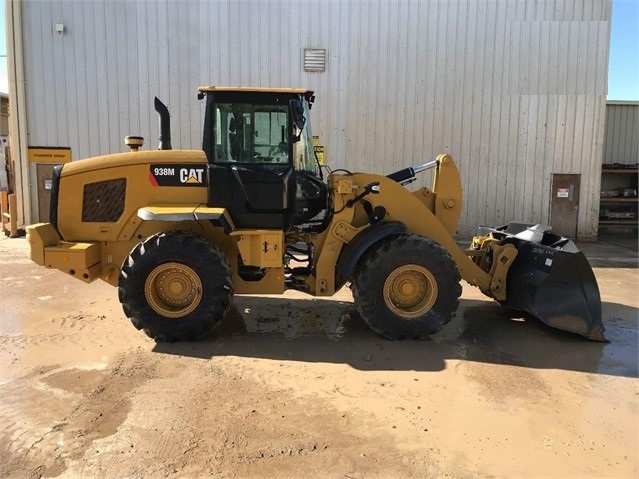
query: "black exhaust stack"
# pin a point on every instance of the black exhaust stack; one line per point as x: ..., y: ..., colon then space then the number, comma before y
x: 165, y: 125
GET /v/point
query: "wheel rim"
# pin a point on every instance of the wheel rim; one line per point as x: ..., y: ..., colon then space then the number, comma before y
x: 410, y: 291
x: 173, y: 290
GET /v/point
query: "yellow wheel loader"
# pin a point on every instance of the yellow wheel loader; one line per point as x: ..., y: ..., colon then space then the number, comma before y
x: 179, y: 232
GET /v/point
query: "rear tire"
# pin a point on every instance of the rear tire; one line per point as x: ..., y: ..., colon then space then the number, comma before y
x: 406, y: 287
x: 175, y: 286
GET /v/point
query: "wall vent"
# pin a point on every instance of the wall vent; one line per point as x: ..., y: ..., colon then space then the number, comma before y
x: 314, y: 60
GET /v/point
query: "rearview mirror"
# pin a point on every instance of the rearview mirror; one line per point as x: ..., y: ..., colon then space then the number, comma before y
x: 297, y: 112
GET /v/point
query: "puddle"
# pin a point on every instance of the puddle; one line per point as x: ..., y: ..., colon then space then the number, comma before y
x: 79, y: 381
x: 291, y: 318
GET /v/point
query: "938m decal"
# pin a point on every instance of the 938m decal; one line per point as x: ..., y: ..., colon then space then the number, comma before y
x: 178, y: 175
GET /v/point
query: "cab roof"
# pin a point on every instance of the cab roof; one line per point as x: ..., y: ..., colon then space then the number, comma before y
x: 295, y: 91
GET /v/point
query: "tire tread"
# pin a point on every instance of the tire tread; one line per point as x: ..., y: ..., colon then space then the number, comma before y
x: 385, y: 322
x: 197, y: 323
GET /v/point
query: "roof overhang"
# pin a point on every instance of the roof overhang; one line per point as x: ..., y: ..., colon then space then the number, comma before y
x: 621, y: 102
x: 294, y: 91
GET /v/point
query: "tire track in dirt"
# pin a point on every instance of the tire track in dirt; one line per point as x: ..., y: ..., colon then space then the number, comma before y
x: 51, y: 416
x: 211, y: 421
x: 68, y: 335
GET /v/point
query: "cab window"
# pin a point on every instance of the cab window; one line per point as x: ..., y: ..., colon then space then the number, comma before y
x: 251, y: 133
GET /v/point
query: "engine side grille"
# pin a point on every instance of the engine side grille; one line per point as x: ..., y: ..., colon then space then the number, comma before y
x: 103, y: 202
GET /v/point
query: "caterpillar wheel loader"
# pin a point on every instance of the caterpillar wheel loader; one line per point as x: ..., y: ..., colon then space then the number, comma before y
x: 180, y: 232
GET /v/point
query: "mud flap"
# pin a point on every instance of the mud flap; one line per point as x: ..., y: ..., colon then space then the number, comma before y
x: 551, y: 280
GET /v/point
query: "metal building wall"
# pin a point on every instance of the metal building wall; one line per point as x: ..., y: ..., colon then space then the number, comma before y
x: 622, y: 133
x: 513, y: 89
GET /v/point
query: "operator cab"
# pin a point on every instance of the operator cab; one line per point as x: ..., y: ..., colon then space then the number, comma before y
x: 261, y: 163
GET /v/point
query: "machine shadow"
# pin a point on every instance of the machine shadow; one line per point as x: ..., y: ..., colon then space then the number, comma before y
x: 319, y: 330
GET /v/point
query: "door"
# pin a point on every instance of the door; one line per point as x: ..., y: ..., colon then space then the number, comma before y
x: 564, y: 210
x: 44, y: 173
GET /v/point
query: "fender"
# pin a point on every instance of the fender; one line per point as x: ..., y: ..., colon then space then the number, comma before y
x: 353, y: 251
x: 218, y: 216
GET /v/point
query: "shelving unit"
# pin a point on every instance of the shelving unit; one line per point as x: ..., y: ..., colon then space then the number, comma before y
x: 619, y: 201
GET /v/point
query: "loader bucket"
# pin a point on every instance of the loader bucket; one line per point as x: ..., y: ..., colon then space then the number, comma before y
x: 551, y: 280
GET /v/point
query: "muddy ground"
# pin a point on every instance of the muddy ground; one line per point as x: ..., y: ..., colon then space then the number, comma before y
x: 295, y: 387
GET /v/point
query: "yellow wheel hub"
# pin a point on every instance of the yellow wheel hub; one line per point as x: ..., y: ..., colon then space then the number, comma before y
x: 173, y: 290
x: 410, y: 291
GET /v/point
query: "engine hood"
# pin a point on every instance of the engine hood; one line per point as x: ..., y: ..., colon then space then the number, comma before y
x: 129, y: 158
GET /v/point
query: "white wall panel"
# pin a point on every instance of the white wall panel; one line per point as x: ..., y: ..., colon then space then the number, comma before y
x: 622, y: 133
x: 513, y: 89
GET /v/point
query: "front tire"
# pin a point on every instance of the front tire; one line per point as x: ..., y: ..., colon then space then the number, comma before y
x: 175, y: 286
x: 406, y: 287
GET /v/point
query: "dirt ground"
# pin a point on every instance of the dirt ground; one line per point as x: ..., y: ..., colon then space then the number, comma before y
x: 295, y: 387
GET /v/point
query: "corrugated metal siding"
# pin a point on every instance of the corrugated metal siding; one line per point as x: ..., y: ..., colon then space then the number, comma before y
x: 514, y: 90
x: 622, y: 133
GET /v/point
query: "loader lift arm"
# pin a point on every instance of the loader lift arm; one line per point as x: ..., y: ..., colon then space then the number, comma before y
x: 487, y: 264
